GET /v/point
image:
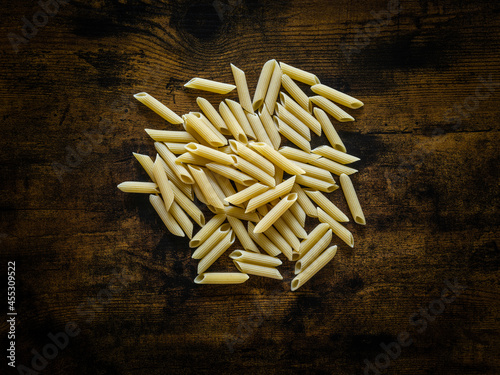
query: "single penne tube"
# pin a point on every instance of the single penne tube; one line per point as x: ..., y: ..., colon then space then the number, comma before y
x: 270, y: 195
x: 209, y: 125
x: 316, y: 172
x: 182, y: 219
x: 232, y: 123
x: 199, y: 195
x: 253, y: 258
x: 242, y: 234
x: 239, y: 115
x: 194, y: 133
x: 231, y: 173
x: 276, y: 158
x: 161, y: 179
x: 216, y: 186
x: 334, y: 167
x: 336, y: 96
x: 253, y: 171
x: 326, y: 205
x: 258, y: 129
x: 187, y: 205
x: 240, y: 80
x: 273, y: 90
x: 296, y: 92
x: 169, y: 158
x: 316, y: 184
x: 287, y: 234
x: 209, y: 153
x: 215, y: 118
x: 299, y: 74
x: 290, y: 134
x: 254, y: 269
x: 241, y: 214
x: 190, y: 158
x: 298, y: 155
x: 176, y: 148
x: 329, y: 130
x: 207, y: 230
x: 165, y: 216
x: 263, y: 84
x: 290, y: 220
x: 221, y: 278
x: 337, y: 228
x: 315, y: 251
x: 352, y: 199
x: 185, y: 188
x: 205, y: 186
x: 176, y: 136
x: 158, y: 107
x: 265, y: 243
x: 270, y: 127
x: 304, y: 201
x: 335, y: 155
x: 280, y: 242
x: 303, y: 115
x: 313, y: 237
x: 217, y: 235
x: 293, y: 122
x: 330, y: 107
x: 216, y: 252
x: 313, y: 269
x: 146, y: 163
x: 299, y: 213
x: 209, y: 85
x: 275, y: 213
x: 252, y: 156
x: 246, y: 194
x: 140, y: 187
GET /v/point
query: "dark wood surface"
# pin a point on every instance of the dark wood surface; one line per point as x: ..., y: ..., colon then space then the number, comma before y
x: 427, y: 181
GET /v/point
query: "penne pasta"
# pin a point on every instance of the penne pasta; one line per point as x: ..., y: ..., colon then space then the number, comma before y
x: 252, y: 156
x: 221, y: 278
x: 165, y: 216
x: 199, y: 195
x: 254, y: 269
x: 293, y: 122
x: 287, y: 234
x: 253, y: 171
x: 182, y: 219
x: 280, y: 242
x: 192, y: 131
x: 200, y: 116
x: 299, y: 213
x: 265, y: 243
x: 242, y: 88
x: 299, y: 74
x: 225, y: 186
x: 205, y: 186
x: 316, y: 172
x: 304, y: 201
x: 146, y: 163
x: 139, y: 187
x: 335, y: 155
x: 209, y: 153
x: 336, y: 96
x: 212, y: 241
x: 296, y: 92
x: 253, y: 258
x: 246, y: 194
x: 299, y: 112
x: 313, y: 269
x: 269, y: 125
x: 185, y: 188
x: 216, y: 187
x: 278, y: 177
x: 342, y: 232
x: 316, y: 184
x: 330, y: 107
x: 275, y: 213
x: 242, y: 234
x: 326, y: 205
x: 241, y: 214
x: 258, y: 129
x: 329, y: 130
x: 207, y: 230
x: 292, y: 135
x: 190, y: 158
x: 352, y: 199
x: 174, y: 136
x: 176, y: 148
x: 333, y: 167
x: 273, y: 90
x: 231, y: 173
x: 216, y: 252
x: 158, y: 108
x: 161, y: 179
x: 209, y: 85
x: 169, y: 159
x: 232, y: 123
x: 270, y: 195
x: 215, y: 118
x: 313, y: 237
x: 263, y: 84
x: 315, y: 251
x: 298, y: 155
x: 276, y: 158
x: 187, y: 205
x: 290, y: 220
x: 239, y: 115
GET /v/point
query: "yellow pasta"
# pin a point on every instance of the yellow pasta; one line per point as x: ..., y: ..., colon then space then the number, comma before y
x: 326, y: 205
x: 207, y: 230
x: 247, y: 194
x: 275, y: 213
x: 209, y: 85
x: 313, y: 237
x: 278, y: 176
x: 263, y: 84
x: 303, y: 115
x: 217, y: 235
x: 315, y: 251
x: 331, y: 108
x: 175, y: 136
x: 212, y: 114
x: 316, y: 172
x: 304, y: 201
x: 254, y: 269
x: 221, y: 278
x: 190, y: 158
x: 333, y: 167
x: 317, y: 265
x: 187, y: 205
x: 225, y: 186
x: 158, y: 107
x: 165, y: 216
x: 299, y: 213
x: 273, y: 89
x: 216, y: 252
x: 139, y: 187
x: 265, y: 243
x: 241, y: 214
x: 209, y: 153
x: 216, y: 187
x: 176, y: 148
x: 182, y: 219
x: 199, y: 195
x: 231, y: 173
x: 293, y: 122
x: 296, y: 92
x: 258, y: 129
x: 205, y: 186
x: 232, y: 123
x: 240, y: 116
x: 329, y: 130
x: 341, y: 231
x: 287, y: 234
x: 299, y: 74
x: 146, y: 163
x: 161, y: 179
x: 280, y: 242
x: 317, y: 184
x: 185, y: 188
x: 253, y: 171
x: 169, y: 159
x: 290, y: 220
x: 253, y: 258
x: 352, y: 199
x: 335, y: 155
x: 276, y: 158
x: 337, y: 96
x: 292, y: 135
x: 242, y: 88
x: 271, y: 130
x: 298, y: 155
x: 270, y: 195
x: 252, y: 156
x: 242, y: 234
x: 212, y: 127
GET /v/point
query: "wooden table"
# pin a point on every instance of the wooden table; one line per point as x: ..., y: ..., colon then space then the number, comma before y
x: 99, y: 265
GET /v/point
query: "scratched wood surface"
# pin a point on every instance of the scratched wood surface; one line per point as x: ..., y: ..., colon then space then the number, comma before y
x: 427, y: 136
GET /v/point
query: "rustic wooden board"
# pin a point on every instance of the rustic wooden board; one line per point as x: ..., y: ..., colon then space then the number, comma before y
x: 431, y: 199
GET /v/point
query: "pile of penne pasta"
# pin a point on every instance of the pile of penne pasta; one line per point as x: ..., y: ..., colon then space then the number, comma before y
x: 232, y: 161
